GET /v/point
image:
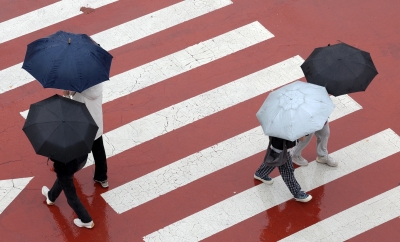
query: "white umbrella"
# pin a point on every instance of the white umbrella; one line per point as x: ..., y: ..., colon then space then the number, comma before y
x: 295, y: 110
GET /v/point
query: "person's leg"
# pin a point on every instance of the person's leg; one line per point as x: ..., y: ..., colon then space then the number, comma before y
x: 262, y: 173
x: 55, y: 191
x: 322, y: 146
x: 287, y: 173
x: 322, y: 140
x: 301, y: 145
x: 68, y: 187
x: 296, y: 152
x: 100, y: 160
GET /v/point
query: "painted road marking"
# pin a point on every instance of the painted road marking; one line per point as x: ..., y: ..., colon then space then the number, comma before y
x: 244, y: 205
x: 155, y: 22
x: 198, y: 107
x: 185, y: 60
x: 182, y: 61
x: 353, y: 221
x: 44, y: 17
x: 15, y: 76
x: 9, y: 190
x: 200, y: 164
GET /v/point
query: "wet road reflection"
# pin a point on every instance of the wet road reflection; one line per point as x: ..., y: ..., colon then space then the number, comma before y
x: 291, y: 216
x: 96, y: 207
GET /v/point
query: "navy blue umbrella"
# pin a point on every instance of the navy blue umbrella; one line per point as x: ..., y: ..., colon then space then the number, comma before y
x: 67, y: 61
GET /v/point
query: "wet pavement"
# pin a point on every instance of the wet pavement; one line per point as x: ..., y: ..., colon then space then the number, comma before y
x: 180, y: 130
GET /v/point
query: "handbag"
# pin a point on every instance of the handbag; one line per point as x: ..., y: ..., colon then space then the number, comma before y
x: 276, y: 159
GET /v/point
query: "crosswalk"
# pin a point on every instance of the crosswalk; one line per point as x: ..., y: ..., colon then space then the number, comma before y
x: 136, y: 190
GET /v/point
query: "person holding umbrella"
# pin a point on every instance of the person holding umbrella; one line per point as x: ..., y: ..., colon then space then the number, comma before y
x: 75, y: 62
x: 62, y: 130
x: 287, y: 116
x: 341, y: 69
x: 92, y: 98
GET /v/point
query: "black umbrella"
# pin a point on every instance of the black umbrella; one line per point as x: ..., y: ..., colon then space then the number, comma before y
x: 67, y: 61
x: 340, y: 68
x: 60, y: 128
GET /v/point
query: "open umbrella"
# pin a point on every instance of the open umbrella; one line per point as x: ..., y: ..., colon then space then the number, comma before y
x: 67, y: 61
x: 341, y: 68
x: 295, y: 110
x: 60, y: 128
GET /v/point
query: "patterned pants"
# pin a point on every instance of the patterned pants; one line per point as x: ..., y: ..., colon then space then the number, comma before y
x: 287, y: 173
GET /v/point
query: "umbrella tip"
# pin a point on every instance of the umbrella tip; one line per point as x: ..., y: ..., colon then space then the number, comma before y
x: 69, y: 40
x: 329, y: 44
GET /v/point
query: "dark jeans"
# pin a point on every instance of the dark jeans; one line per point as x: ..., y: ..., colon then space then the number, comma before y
x: 64, y: 182
x: 100, y: 160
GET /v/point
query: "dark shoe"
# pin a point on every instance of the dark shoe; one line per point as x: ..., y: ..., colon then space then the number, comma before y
x: 102, y: 183
x: 302, y: 197
x: 80, y: 224
x: 45, y: 192
x: 267, y: 180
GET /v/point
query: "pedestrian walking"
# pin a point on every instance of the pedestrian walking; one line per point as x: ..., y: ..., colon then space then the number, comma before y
x: 93, y: 98
x: 322, y: 148
x: 64, y: 182
x: 275, y: 148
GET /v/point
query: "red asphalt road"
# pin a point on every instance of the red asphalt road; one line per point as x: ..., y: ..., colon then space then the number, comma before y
x: 299, y: 27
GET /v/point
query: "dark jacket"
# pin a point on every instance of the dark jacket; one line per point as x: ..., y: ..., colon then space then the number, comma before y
x: 71, y: 167
x: 277, y: 143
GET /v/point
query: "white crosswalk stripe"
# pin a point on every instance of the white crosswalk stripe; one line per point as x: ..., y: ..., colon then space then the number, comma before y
x: 9, y: 190
x: 255, y: 200
x: 44, y: 17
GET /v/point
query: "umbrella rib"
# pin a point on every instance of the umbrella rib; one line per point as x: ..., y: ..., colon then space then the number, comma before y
x: 374, y: 69
x: 49, y: 136
x: 74, y: 129
x: 41, y: 123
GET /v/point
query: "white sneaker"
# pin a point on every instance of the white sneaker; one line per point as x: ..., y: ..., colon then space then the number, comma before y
x: 327, y: 160
x: 299, y: 160
x: 45, y: 192
x: 102, y: 183
x: 80, y: 224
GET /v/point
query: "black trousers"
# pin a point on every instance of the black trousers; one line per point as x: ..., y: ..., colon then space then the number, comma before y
x: 64, y: 182
x: 100, y: 160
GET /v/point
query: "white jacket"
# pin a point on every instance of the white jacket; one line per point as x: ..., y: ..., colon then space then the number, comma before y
x: 93, y: 98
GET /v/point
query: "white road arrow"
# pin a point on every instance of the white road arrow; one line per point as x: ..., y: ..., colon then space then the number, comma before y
x: 9, y: 190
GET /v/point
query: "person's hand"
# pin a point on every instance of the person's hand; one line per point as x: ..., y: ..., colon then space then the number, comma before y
x: 66, y: 93
x: 302, y: 138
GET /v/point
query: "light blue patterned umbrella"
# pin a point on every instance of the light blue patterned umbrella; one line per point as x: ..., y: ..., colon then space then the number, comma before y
x: 295, y: 110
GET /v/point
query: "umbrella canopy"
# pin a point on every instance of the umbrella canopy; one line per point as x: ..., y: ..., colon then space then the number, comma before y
x: 341, y: 68
x: 67, y: 61
x: 60, y: 128
x: 295, y: 110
